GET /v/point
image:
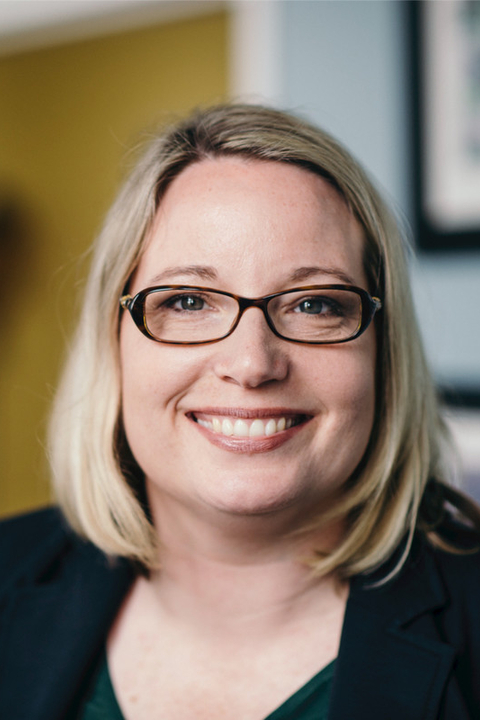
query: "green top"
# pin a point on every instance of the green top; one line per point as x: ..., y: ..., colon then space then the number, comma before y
x: 308, y: 703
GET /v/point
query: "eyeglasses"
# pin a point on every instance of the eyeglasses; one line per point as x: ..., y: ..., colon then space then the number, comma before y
x: 314, y: 315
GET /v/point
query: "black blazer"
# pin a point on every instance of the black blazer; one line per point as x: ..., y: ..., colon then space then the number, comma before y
x: 410, y: 650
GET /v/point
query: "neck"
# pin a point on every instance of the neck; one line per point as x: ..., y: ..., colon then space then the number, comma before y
x: 219, y: 569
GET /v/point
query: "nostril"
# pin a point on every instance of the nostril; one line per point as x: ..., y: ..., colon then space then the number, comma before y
x: 252, y: 364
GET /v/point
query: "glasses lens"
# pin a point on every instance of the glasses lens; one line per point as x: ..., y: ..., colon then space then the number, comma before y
x: 188, y: 315
x: 322, y: 315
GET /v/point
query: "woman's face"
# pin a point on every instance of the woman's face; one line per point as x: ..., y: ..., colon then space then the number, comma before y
x: 251, y: 228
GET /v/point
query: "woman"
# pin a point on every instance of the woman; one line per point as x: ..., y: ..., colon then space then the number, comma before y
x: 247, y: 439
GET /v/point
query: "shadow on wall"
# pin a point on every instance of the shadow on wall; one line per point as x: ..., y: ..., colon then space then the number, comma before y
x: 17, y: 261
x: 21, y: 295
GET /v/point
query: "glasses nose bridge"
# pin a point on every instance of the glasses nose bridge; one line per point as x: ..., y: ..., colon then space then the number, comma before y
x: 246, y: 303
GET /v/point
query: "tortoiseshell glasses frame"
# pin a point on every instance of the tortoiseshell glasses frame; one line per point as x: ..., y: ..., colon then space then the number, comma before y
x: 349, y: 312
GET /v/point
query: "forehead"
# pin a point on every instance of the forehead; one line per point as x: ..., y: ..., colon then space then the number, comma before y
x: 253, y: 221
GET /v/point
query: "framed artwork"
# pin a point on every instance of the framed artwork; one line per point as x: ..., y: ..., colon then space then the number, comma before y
x: 446, y: 119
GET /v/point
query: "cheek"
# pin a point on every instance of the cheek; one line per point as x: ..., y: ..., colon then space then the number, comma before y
x: 137, y: 370
x: 154, y: 378
x: 346, y: 382
x: 147, y: 387
x: 355, y: 388
x: 358, y: 401
x: 362, y: 398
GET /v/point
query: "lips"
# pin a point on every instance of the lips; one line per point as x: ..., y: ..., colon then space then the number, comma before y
x: 247, y: 428
x: 247, y: 424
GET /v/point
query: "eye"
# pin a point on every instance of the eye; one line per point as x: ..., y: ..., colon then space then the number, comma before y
x: 314, y: 306
x: 186, y: 302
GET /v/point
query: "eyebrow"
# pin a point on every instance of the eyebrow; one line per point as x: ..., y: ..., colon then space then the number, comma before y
x: 305, y: 273
x: 206, y: 272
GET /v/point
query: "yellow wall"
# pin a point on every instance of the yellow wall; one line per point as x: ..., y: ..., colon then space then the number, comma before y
x: 67, y: 115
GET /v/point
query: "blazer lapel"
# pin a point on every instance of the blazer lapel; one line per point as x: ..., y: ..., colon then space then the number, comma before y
x: 52, y: 628
x: 391, y: 664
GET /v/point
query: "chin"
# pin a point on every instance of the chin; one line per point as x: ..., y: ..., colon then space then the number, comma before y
x: 241, y: 498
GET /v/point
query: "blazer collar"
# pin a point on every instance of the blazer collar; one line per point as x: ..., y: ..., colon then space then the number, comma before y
x: 391, y: 663
x: 54, y: 622
x: 55, y: 619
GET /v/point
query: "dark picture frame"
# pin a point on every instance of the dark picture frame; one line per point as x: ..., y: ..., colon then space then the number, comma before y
x: 445, y: 68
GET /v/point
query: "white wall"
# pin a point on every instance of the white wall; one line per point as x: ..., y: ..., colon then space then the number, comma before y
x: 342, y: 66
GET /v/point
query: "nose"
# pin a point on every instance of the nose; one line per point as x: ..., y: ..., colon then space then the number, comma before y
x: 252, y: 355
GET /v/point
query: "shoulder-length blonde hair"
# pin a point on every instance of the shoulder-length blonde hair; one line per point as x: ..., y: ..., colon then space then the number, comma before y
x: 96, y: 480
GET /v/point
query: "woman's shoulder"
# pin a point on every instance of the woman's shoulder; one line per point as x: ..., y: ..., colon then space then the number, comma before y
x: 35, y: 521
x: 456, y: 550
x: 36, y: 524
x: 456, y: 563
x: 449, y: 525
x: 40, y: 547
x: 27, y: 539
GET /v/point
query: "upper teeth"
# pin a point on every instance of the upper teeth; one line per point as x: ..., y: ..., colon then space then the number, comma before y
x: 244, y: 428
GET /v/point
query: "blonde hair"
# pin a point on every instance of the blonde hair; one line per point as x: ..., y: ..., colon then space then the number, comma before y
x: 96, y: 480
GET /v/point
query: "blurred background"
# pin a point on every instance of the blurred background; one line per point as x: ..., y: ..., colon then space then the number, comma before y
x: 81, y: 81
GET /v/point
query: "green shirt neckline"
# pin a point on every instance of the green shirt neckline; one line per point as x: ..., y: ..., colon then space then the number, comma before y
x: 310, y: 702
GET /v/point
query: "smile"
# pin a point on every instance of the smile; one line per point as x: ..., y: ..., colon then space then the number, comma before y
x: 251, y: 427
